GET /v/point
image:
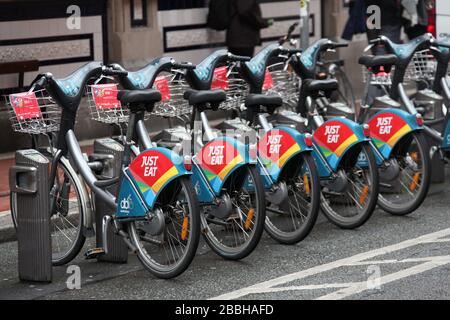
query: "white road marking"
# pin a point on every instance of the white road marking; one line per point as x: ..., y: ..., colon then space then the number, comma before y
x: 356, y: 287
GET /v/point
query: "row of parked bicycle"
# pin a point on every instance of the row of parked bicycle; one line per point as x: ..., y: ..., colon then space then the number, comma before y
x: 277, y: 159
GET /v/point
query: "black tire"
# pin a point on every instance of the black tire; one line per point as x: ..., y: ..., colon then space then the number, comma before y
x: 410, y: 205
x: 330, y: 209
x: 312, y: 194
x: 345, y: 90
x: 240, y: 252
x: 191, y: 244
x: 79, y: 240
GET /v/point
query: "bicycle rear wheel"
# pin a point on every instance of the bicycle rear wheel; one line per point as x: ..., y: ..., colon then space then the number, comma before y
x: 409, y: 189
x: 238, y: 235
x: 345, y: 92
x: 169, y: 254
x: 291, y: 221
x: 354, y: 203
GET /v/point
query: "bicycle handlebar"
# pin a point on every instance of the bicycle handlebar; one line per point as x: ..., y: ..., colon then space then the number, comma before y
x: 237, y: 58
x: 184, y: 65
x: 289, y: 33
x: 339, y: 45
x: 290, y: 52
x: 441, y: 44
x: 41, y: 80
x: 111, y: 71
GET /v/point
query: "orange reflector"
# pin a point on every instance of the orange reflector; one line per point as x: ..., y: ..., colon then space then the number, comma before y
x: 363, y: 195
x: 184, y: 228
x: 248, y: 221
x: 415, y: 181
x: 307, y: 187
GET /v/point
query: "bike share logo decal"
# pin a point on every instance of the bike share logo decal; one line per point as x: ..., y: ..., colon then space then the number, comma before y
x: 126, y: 204
x: 275, y: 148
x: 151, y: 170
x: 217, y: 159
x: 386, y: 129
x: 333, y: 138
x: 105, y: 96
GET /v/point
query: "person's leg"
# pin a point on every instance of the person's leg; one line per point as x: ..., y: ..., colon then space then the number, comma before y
x: 242, y: 51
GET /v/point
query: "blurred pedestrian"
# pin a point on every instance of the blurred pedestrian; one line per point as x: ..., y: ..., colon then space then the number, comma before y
x: 244, y: 31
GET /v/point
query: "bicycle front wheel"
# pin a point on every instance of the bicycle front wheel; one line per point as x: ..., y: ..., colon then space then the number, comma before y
x: 236, y: 236
x: 169, y: 254
x: 350, y: 199
x: 291, y: 221
x: 408, y: 190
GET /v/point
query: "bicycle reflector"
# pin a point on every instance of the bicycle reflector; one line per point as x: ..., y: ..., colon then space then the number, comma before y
x: 308, y: 140
x: 419, y: 119
x: 366, y: 130
x: 253, y: 151
x: 188, y: 162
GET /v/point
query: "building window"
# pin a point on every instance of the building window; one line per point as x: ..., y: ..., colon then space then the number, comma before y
x: 138, y: 13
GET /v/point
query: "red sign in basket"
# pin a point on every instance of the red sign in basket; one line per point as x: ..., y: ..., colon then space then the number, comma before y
x: 25, y: 105
x: 105, y: 96
x: 220, y: 79
x: 268, y: 81
x: 162, y: 85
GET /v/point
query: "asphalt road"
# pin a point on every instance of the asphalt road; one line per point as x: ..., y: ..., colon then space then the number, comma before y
x: 388, y: 258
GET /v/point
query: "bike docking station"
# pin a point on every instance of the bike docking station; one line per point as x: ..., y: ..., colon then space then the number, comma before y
x: 109, y: 152
x: 430, y: 103
x: 28, y: 180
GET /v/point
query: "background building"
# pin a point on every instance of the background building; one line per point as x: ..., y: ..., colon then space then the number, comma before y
x: 131, y: 32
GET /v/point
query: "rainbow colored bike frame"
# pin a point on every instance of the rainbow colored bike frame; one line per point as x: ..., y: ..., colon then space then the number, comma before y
x: 332, y: 140
x: 275, y: 149
x: 145, y: 179
x: 388, y: 127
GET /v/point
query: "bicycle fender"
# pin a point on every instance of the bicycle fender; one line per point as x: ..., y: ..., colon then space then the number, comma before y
x: 335, y: 138
x: 389, y: 126
x: 145, y: 179
x: 276, y: 147
x: 219, y: 158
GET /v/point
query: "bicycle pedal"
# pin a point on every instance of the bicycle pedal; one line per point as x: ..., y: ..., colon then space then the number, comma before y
x: 94, y: 253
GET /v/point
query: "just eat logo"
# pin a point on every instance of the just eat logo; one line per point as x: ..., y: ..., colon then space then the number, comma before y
x: 149, y: 163
x: 332, y: 133
x: 385, y: 125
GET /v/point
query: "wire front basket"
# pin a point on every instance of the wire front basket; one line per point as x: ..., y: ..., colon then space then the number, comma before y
x: 103, y: 104
x: 236, y: 89
x: 33, y: 112
x: 172, y: 87
x: 422, y: 67
x: 282, y: 81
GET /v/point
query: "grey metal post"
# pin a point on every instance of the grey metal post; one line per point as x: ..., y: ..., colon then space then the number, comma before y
x: 304, y: 24
x: 117, y: 248
x: 28, y: 179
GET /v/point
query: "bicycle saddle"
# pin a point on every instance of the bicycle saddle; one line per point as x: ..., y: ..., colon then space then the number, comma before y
x: 375, y: 62
x: 254, y: 70
x: 145, y: 77
x: 68, y: 91
x: 148, y: 96
x: 314, y: 86
x: 269, y: 101
x: 203, y: 97
x: 202, y: 76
